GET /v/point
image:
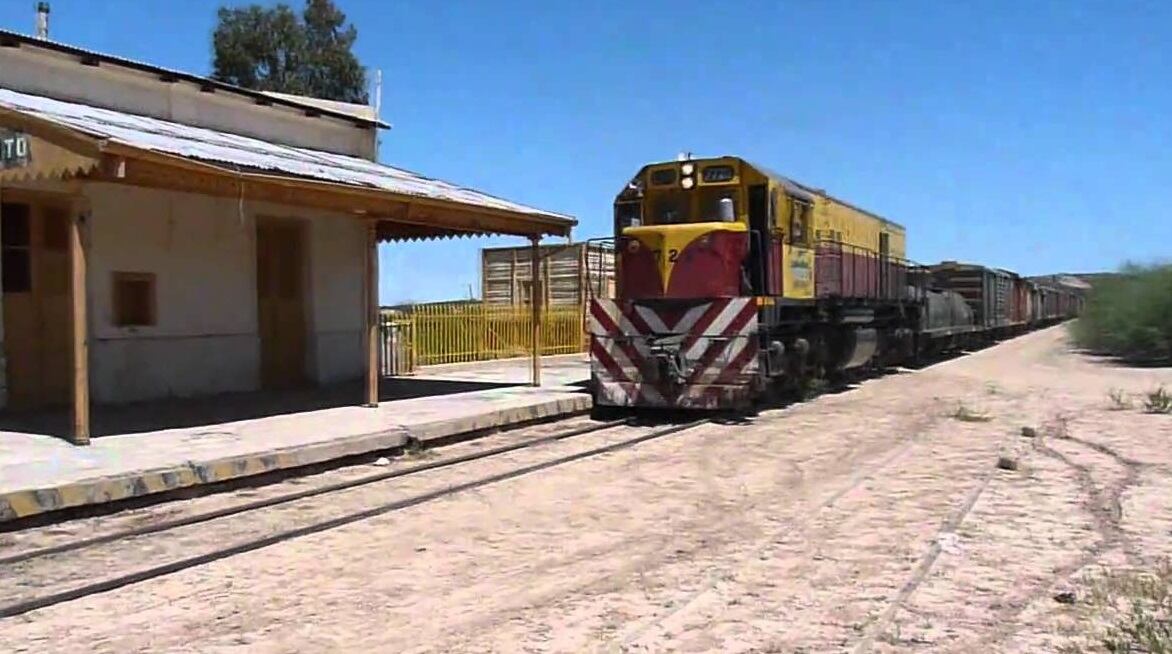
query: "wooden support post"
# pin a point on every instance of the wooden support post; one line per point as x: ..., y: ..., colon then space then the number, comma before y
x: 79, y: 322
x: 512, y: 278
x: 372, y: 315
x: 583, y: 294
x: 535, y: 304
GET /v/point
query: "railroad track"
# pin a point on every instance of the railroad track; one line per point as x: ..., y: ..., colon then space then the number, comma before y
x: 81, y: 590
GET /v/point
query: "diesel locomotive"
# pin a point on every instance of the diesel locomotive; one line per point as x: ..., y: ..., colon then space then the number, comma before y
x: 733, y: 282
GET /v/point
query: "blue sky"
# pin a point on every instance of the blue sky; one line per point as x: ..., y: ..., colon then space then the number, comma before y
x: 1027, y: 135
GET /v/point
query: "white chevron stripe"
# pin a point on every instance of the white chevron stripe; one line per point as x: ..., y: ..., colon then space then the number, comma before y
x: 594, y: 327
x: 607, y: 307
x: 697, y: 390
x: 685, y: 323
x: 629, y: 368
x: 690, y: 318
x: 652, y: 319
x: 716, y: 328
x: 729, y: 352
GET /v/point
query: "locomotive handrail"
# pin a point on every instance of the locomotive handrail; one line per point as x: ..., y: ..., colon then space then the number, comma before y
x: 758, y: 281
x: 603, y: 241
x: 905, y: 283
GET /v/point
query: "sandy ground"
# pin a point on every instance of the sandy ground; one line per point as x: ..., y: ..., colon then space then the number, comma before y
x: 872, y: 520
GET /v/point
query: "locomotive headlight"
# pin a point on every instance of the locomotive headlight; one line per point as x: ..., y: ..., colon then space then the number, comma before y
x: 687, y: 182
x: 688, y: 169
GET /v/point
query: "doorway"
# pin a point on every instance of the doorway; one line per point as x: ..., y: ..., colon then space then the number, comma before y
x: 34, y: 253
x: 280, y: 291
x: 759, y: 238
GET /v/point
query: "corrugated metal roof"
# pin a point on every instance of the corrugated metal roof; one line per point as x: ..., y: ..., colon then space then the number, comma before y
x: 9, y: 38
x: 250, y: 153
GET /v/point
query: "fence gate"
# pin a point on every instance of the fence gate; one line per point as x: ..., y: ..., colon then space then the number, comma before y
x: 396, y: 356
x: 457, y: 332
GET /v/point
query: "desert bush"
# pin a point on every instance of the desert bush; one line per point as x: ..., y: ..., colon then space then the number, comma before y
x: 1130, y: 315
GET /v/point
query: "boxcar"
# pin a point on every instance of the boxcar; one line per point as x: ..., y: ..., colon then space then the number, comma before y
x: 989, y: 292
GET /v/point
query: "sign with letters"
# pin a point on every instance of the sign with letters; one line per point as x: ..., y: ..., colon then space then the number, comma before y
x: 15, y: 149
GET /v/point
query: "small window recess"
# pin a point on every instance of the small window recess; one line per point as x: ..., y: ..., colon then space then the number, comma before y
x: 135, y: 302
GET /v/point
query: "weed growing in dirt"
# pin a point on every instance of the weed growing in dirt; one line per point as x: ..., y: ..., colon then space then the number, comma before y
x: 1134, y: 609
x: 1119, y: 400
x: 1158, y: 401
x: 965, y: 414
x: 1059, y: 426
x: 415, y: 450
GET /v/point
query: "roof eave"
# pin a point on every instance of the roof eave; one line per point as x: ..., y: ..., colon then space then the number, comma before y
x: 545, y: 224
x: 16, y: 39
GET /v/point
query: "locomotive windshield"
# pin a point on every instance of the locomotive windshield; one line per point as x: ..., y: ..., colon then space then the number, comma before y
x: 670, y: 207
x: 706, y: 204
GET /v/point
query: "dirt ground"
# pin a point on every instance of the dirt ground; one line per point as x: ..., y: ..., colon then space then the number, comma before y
x: 874, y: 520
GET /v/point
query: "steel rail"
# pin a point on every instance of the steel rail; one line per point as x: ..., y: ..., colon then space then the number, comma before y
x: 298, y: 495
x: 19, y: 608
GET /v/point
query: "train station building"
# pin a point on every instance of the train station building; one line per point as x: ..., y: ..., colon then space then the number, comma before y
x: 166, y: 235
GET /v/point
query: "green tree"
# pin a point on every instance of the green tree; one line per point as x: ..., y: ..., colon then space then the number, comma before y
x: 274, y: 49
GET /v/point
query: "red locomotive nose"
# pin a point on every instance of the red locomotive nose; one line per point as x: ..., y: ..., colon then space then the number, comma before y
x: 710, y: 266
x: 703, y: 260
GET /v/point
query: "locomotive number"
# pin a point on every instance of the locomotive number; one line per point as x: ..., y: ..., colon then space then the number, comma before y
x: 672, y: 255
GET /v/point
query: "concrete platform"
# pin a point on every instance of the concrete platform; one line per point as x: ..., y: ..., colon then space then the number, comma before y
x: 157, y: 447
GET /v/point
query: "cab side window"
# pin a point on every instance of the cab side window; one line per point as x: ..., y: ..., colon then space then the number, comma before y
x: 774, y: 207
x: 799, y: 223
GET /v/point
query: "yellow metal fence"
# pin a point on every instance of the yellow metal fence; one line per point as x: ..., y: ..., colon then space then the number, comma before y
x: 429, y: 334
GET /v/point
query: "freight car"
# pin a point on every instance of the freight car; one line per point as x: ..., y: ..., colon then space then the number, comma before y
x: 733, y: 281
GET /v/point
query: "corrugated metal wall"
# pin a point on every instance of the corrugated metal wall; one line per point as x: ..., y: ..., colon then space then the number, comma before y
x: 505, y: 274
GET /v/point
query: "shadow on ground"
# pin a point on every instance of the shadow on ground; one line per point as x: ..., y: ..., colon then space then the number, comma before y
x: 178, y: 413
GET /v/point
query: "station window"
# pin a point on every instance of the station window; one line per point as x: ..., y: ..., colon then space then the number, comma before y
x: 17, y: 259
x: 134, y: 299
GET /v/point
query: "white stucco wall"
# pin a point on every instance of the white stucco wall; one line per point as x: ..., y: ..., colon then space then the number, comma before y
x: 202, y: 251
x: 32, y: 70
x: 337, y: 268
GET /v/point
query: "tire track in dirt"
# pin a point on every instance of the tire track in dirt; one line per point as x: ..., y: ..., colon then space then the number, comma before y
x: 1102, y: 502
x: 950, y: 527
x: 900, y: 450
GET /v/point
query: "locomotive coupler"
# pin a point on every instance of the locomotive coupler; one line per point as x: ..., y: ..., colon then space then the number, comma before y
x: 670, y: 365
